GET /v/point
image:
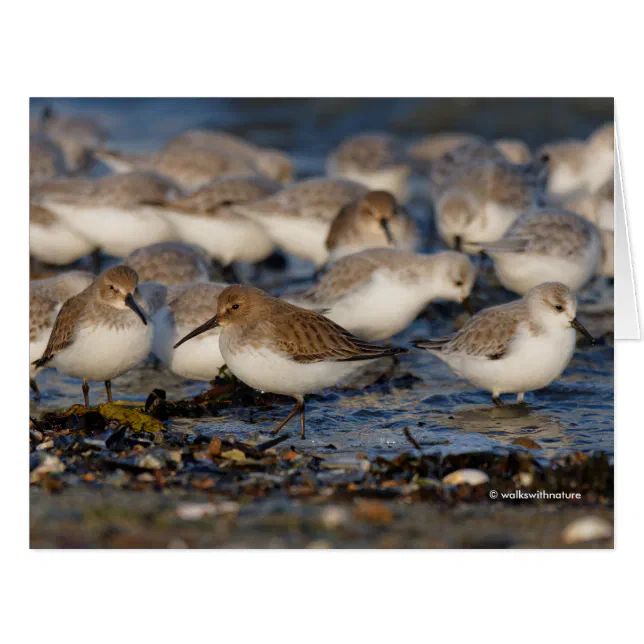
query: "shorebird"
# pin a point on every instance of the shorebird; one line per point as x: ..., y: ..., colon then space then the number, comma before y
x: 46, y: 297
x: 544, y: 245
x: 46, y: 160
x: 514, y: 150
x: 274, y: 346
x: 375, y: 160
x: 379, y: 292
x: 100, y: 333
x: 374, y: 221
x: 516, y: 347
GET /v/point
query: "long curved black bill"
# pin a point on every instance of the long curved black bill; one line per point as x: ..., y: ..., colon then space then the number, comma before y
x: 130, y: 302
x: 576, y: 324
x: 206, y: 326
x: 385, y: 226
x: 458, y: 243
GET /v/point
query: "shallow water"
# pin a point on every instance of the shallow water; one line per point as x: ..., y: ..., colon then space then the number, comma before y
x: 444, y: 414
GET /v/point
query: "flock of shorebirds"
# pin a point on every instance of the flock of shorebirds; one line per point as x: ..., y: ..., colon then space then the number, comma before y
x: 183, y: 218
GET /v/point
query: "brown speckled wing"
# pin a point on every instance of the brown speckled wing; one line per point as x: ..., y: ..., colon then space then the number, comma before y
x: 310, y: 337
x: 62, y: 334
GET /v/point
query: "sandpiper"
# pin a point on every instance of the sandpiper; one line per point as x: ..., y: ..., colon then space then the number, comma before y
x: 598, y: 208
x: 274, y: 346
x: 116, y: 212
x: 430, y: 148
x: 298, y: 217
x: 516, y: 347
x: 543, y: 245
x: 46, y: 160
x: 189, y: 166
x: 185, y: 308
x: 376, y: 160
x: 374, y: 221
x: 484, y: 200
x: 380, y: 292
x: 46, y: 297
x: 52, y: 241
x: 171, y: 263
x: 206, y: 217
x: 100, y: 333
x: 270, y: 163
x: 77, y: 136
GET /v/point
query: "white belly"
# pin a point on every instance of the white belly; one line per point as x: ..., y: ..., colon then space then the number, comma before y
x: 102, y: 353
x: 491, y: 226
x: 118, y: 231
x: 305, y: 238
x: 198, y: 359
x: 532, y: 363
x: 265, y: 370
x: 57, y: 244
x: 394, y: 180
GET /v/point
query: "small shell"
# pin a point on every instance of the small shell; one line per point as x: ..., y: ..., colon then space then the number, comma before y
x: 466, y: 476
x: 587, y: 529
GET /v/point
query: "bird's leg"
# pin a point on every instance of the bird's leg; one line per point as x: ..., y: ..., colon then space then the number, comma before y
x: 86, y: 393
x: 230, y: 275
x: 299, y: 405
x: 302, y: 420
x: 108, y: 389
x: 96, y: 260
x: 34, y: 388
x: 497, y: 401
x: 520, y: 397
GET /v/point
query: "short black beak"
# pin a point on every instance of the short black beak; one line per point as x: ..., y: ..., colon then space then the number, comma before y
x: 458, y: 243
x: 385, y: 226
x: 467, y: 305
x: 206, y: 326
x: 576, y: 324
x: 129, y: 301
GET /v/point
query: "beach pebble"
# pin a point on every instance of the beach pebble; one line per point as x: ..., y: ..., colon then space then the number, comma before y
x: 587, y: 529
x: 466, y: 476
x: 48, y: 465
x: 333, y: 517
x: 526, y: 442
x: 149, y: 462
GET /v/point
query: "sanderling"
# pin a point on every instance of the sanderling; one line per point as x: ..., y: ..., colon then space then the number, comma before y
x: 117, y: 212
x: 598, y: 208
x: 189, y: 166
x: 298, y: 217
x: 514, y: 150
x: 430, y: 148
x: 576, y: 166
x: 271, y: 163
x: 274, y: 346
x: 374, y: 160
x: 185, y: 308
x: 46, y: 297
x: 374, y: 221
x: 380, y: 292
x: 484, y: 200
x: 207, y: 217
x: 171, y: 263
x: 516, y: 347
x: 52, y: 241
x: 77, y: 136
x: 543, y: 245
x: 46, y: 160
x: 100, y: 333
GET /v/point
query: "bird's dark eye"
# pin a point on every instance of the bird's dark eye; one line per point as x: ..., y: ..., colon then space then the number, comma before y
x: 234, y: 307
x: 112, y: 287
x: 544, y: 158
x: 559, y: 307
x: 459, y: 283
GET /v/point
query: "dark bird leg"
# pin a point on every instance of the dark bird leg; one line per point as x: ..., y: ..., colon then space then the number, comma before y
x: 230, y: 275
x: 497, y: 401
x: 86, y: 393
x: 299, y: 406
x: 108, y: 389
x: 96, y: 260
x: 34, y: 388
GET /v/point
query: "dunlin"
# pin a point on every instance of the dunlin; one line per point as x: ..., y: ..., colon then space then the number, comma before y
x: 52, y: 241
x: 171, y: 263
x: 116, y: 212
x: 46, y: 160
x: 376, y: 160
x: 543, y: 245
x: 270, y: 163
x: 380, y: 292
x: 374, y: 221
x: 274, y: 346
x: 77, y: 136
x: 190, y: 167
x: 516, y: 347
x: 46, y: 297
x: 514, y: 150
x: 100, y: 333
x: 298, y: 217
x: 185, y: 308
x: 484, y: 200
x: 206, y: 217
